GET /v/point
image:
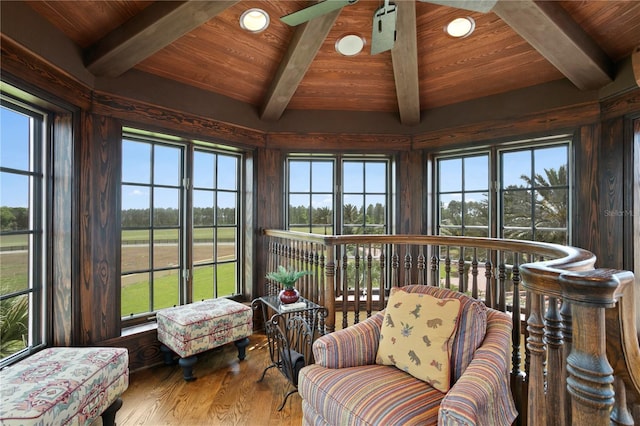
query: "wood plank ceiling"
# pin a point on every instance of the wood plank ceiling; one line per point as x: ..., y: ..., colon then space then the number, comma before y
x: 199, y: 43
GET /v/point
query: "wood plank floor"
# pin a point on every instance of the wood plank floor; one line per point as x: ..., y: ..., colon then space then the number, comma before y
x: 226, y: 392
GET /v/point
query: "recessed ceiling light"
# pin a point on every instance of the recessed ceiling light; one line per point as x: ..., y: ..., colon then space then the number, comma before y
x: 460, y: 27
x: 350, y: 44
x: 254, y: 20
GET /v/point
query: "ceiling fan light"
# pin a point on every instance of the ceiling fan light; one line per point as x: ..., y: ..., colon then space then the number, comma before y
x: 460, y: 27
x: 254, y: 20
x: 350, y: 44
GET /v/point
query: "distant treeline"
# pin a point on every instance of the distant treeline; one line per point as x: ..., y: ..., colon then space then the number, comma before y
x: 14, y: 218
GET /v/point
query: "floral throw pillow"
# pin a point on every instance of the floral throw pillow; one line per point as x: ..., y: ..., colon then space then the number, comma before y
x: 417, y: 334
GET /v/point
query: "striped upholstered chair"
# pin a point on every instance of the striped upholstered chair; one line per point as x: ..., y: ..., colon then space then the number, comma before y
x: 346, y: 387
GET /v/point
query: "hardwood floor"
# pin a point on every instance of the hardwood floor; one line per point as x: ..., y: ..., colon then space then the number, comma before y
x: 226, y: 392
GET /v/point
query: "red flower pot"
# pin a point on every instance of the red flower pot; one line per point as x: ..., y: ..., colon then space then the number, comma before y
x: 289, y: 295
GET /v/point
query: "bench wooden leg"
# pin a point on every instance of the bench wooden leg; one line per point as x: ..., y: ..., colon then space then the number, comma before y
x: 242, y: 346
x: 109, y: 415
x: 167, y: 355
x: 187, y: 367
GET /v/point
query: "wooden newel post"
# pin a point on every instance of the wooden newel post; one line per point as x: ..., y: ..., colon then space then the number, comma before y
x: 590, y: 376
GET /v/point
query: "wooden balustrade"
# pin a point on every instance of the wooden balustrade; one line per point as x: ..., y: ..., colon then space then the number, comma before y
x: 581, y: 357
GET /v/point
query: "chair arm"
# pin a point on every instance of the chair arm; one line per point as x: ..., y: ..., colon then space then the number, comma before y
x: 350, y: 347
x: 482, y: 395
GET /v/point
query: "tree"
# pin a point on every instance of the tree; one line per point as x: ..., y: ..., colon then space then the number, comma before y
x: 549, y: 210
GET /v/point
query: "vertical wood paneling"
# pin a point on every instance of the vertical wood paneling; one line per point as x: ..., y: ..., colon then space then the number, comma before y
x: 411, y: 181
x: 99, y: 255
x: 611, y: 205
x: 587, y: 192
x: 269, y: 186
x: 63, y: 249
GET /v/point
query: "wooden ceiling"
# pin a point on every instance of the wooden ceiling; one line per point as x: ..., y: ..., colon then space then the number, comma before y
x: 200, y: 43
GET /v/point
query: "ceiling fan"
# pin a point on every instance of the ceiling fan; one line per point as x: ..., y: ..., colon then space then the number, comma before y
x: 383, y: 34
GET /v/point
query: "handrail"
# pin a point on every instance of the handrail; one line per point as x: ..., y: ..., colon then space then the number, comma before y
x: 570, y: 308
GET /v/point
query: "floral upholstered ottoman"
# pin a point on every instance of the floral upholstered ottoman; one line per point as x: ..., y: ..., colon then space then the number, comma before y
x: 64, y: 386
x: 197, y: 327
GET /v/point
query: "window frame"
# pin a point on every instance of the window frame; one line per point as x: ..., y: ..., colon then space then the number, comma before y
x: 188, y: 266
x: 338, y: 194
x: 495, y: 151
x: 38, y: 232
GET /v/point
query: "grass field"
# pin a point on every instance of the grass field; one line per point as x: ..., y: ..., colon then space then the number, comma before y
x: 136, y: 294
x: 135, y: 288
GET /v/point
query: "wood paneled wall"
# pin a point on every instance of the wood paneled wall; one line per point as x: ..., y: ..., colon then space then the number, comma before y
x: 100, y: 155
x: 64, y: 236
x: 87, y: 306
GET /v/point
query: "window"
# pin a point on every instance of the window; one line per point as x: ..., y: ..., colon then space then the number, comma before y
x: 173, y: 255
x: 534, y: 194
x: 23, y: 147
x: 529, y: 200
x: 463, y: 195
x: 311, y: 195
x: 364, y: 195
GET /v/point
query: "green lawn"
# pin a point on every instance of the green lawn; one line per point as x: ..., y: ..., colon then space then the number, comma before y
x: 135, y: 296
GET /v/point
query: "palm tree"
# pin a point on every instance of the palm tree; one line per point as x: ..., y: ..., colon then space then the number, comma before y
x: 550, y: 204
x: 14, y: 325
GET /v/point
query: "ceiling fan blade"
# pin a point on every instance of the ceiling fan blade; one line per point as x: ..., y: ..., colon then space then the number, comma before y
x: 483, y: 6
x: 383, y: 33
x: 313, y: 11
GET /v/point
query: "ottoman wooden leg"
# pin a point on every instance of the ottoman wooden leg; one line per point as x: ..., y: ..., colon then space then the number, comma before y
x: 242, y: 346
x: 109, y: 415
x: 187, y: 367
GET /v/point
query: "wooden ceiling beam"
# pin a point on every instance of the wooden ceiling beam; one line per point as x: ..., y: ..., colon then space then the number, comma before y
x: 154, y: 28
x: 307, y: 40
x: 555, y: 35
x: 404, y: 57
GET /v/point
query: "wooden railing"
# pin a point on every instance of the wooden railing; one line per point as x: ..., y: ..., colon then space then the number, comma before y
x: 581, y: 360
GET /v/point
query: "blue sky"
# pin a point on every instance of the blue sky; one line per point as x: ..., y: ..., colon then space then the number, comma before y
x: 14, y: 153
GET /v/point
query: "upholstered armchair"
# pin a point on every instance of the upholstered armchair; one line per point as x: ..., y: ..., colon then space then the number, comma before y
x: 349, y: 384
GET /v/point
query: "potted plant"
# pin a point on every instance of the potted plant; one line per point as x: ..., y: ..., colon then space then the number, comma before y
x: 288, y: 278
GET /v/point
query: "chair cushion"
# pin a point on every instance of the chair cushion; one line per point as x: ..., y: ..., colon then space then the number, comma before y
x: 417, y: 334
x: 373, y: 394
x: 472, y: 326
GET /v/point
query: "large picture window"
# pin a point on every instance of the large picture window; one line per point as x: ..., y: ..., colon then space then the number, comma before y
x: 23, y: 227
x: 363, y: 191
x: 528, y: 199
x: 180, y: 227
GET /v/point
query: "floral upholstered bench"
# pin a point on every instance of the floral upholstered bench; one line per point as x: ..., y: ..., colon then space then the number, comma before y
x: 194, y: 328
x: 64, y: 386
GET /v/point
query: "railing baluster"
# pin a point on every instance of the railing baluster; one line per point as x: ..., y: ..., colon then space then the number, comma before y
x: 535, y: 343
x: 434, y: 269
x: 461, y: 285
x: 382, y: 290
x: 407, y: 266
x: 447, y: 268
x: 356, y: 285
x: 489, y: 278
x: 474, y: 274
x: 567, y: 335
x: 421, y: 268
x: 500, y: 290
x: 369, y: 298
x: 555, y: 374
x: 395, y: 263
